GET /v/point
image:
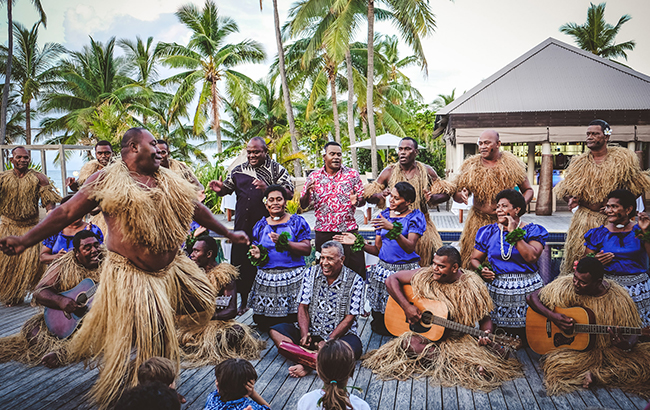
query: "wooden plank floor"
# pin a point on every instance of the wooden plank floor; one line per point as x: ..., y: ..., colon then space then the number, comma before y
x: 65, y: 388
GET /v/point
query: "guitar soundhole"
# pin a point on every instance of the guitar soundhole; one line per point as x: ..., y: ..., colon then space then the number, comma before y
x: 560, y: 340
x: 82, y: 298
x: 424, y: 325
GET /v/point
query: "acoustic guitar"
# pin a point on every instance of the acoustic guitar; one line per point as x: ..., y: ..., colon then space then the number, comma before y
x: 433, y: 321
x: 544, y: 336
x: 63, y: 324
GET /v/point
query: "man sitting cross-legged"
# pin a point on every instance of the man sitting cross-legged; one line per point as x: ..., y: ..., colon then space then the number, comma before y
x: 221, y: 338
x: 455, y: 359
x: 615, y: 360
x: 331, y: 299
x: 34, y: 339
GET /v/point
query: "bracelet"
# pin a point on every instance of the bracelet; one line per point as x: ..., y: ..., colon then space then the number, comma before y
x: 644, y: 236
x: 359, y: 243
x: 262, y: 260
x: 395, y: 232
x: 283, y: 242
x: 515, y: 236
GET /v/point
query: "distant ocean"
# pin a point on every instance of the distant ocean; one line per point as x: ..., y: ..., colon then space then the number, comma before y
x: 73, y: 165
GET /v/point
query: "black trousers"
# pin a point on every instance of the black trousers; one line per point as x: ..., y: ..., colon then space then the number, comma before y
x: 353, y: 260
x: 247, y: 272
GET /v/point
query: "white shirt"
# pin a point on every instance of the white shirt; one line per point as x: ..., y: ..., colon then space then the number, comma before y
x: 310, y: 401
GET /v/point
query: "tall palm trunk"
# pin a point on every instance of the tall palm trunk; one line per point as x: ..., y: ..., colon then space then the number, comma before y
x: 370, y: 87
x: 353, y: 138
x: 215, y: 114
x: 5, y: 94
x: 335, y: 108
x: 297, y: 168
x: 28, y: 123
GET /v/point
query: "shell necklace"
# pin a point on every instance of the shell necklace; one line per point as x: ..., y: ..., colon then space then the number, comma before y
x: 506, y: 255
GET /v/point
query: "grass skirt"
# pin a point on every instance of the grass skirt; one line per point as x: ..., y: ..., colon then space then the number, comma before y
x: 574, y: 248
x: 276, y: 292
x: 452, y: 362
x: 509, y: 291
x: 17, y: 347
x: 133, y: 311
x: 216, y: 341
x: 638, y: 286
x: 377, y: 295
x: 19, y: 273
x: 429, y: 242
x: 475, y: 221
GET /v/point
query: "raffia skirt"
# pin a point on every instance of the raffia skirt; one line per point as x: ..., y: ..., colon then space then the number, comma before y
x: 638, y: 286
x: 134, y: 311
x: 583, y: 220
x: 17, y: 347
x: 475, y: 221
x: 377, y: 295
x: 508, y: 292
x: 276, y: 292
x: 19, y: 273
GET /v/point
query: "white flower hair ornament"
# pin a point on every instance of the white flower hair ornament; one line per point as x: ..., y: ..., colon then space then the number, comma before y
x: 264, y: 200
x: 608, y: 132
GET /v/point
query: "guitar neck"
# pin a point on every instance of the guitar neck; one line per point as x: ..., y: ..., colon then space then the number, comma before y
x: 449, y: 324
x: 91, y: 292
x: 602, y: 329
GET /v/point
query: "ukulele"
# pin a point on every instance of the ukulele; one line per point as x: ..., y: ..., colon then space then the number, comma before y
x: 544, y: 336
x: 434, y: 321
x: 63, y: 324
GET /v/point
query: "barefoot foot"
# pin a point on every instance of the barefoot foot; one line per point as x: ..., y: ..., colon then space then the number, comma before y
x: 51, y: 360
x: 588, y: 380
x: 242, y: 309
x: 298, y: 370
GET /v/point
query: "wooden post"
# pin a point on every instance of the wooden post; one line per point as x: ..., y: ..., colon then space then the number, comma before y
x: 531, y: 163
x: 544, y: 204
x: 44, y: 162
x: 64, y: 189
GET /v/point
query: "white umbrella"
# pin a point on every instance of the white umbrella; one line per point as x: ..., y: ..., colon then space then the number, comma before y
x: 385, y: 141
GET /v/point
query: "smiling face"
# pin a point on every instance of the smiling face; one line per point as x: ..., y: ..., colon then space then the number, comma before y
x: 164, y: 155
x: 331, y: 262
x: 595, y: 137
x: 20, y: 159
x: 488, y: 144
x: 147, y: 153
x: 616, y: 213
x: 397, y: 203
x: 406, y: 152
x: 200, y: 254
x: 103, y: 153
x: 275, y: 203
x: 333, y: 158
x: 443, y: 270
x: 583, y: 283
x: 256, y: 153
x: 504, y: 209
x: 88, y: 253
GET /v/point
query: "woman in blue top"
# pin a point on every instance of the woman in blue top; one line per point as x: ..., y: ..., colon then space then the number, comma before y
x: 397, y: 231
x: 57, y: 245
x: 511, y: 249
x: 623, y: 248
x: 280, y: 243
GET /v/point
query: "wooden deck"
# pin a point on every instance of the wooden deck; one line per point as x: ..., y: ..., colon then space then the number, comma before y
x: 65, y: 388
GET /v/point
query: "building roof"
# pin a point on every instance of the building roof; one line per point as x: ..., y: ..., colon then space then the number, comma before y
x: 555, y: 76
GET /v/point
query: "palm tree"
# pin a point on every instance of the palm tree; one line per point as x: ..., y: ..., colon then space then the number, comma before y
x: 208, y: 59
x: 10, y: 48
x: 443, y: 100
x: 286, y: 94
x: 88, y: 79
x: 33, y: 68
x: 597, y: 36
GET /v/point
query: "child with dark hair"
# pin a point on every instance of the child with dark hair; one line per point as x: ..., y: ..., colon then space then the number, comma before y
x: 335, y: 365
x: 235, y: 387
x: 149, y: 396
x: 161, y: 370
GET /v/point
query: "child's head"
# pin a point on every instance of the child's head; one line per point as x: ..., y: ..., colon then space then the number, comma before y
x: 149, y: 396
x: 335, y: 364
x: 158, y: 369
x: 232, y: 377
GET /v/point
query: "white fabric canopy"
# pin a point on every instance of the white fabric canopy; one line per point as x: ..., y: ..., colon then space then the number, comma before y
x: 384, y: 141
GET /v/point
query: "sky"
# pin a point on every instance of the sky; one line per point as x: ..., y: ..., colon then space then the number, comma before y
x: 473, y: 38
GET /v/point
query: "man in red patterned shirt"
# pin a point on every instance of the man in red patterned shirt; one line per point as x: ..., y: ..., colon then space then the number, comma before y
x: 335, y: 191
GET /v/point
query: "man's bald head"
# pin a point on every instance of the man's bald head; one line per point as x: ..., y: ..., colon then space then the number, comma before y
x: 133, y: 135
x: 488, y: 145
x: 490, y: 134
x: 19, y: 151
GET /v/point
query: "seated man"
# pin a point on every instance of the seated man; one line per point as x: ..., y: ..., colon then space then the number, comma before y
x: 221, y: 338
x: 34, y: 339
x: 455, y: 359
x: 615, y: 360
x: 331, y: 298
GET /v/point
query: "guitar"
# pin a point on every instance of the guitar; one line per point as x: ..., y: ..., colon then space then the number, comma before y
x: 544, y: 336
x: 434, y: 321
x: 63, y: 324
